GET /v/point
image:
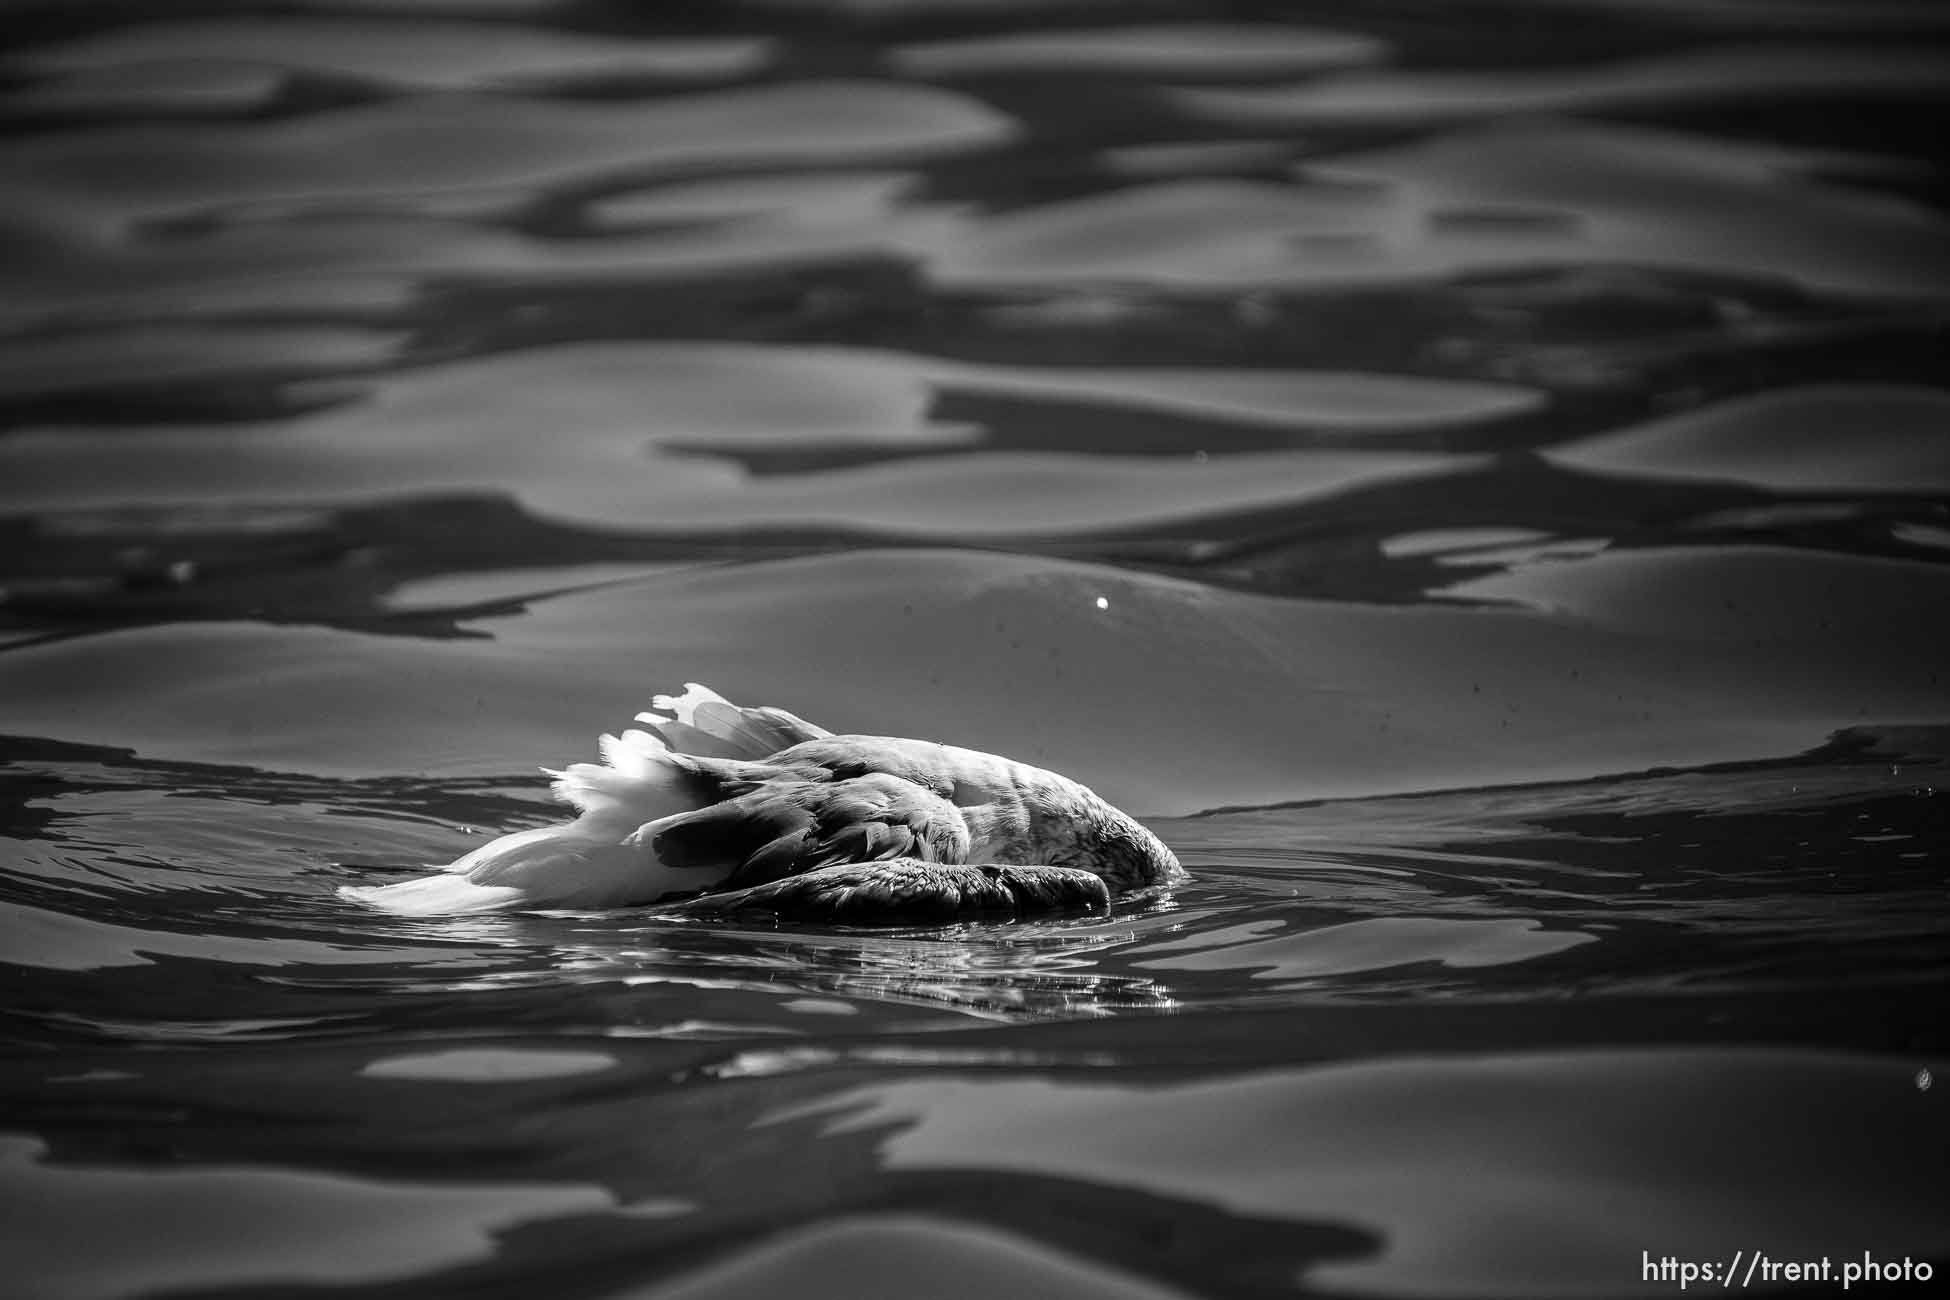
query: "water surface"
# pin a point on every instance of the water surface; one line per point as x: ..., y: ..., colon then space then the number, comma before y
x: 1473, y: 477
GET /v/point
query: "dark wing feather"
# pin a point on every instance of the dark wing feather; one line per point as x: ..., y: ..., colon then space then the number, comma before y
x: 789, y: 826
x: 906, y: 891
x: 871, y: 841
x: 780, y: 857
x: 725, y: 834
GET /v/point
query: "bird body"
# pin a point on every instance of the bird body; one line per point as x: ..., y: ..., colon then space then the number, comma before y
x: 766, y: 812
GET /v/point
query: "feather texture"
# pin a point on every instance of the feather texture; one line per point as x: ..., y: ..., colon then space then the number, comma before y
x: 760, y: 805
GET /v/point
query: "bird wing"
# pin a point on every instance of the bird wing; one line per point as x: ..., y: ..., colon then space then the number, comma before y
x: 708, y: 724
x: 795, y: 824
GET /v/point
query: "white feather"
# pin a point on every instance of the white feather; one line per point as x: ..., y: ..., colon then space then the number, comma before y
x: 639, y: 781
x: 593, y: 861
x: 442, y: 895
x: 685, y: 705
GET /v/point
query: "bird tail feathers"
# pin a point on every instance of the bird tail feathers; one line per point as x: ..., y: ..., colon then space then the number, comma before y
x: 702, y: 755
x: 668, y: 769
x: 443, y: 895
x: 640, y: 780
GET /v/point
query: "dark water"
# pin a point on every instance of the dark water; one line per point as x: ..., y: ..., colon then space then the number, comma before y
x: 1475, y: 476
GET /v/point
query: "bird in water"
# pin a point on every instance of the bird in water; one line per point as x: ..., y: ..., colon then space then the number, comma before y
x: 766, y: 813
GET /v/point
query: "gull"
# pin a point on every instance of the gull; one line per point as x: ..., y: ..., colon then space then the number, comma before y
x: 718, y: 810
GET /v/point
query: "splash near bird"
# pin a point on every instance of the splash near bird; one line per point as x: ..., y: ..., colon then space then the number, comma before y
x: 769, y: 814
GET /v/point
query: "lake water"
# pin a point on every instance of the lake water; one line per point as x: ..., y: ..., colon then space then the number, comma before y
x: 1474, y: 477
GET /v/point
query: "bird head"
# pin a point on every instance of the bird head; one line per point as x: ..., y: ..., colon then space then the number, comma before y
x: 1125, y: 854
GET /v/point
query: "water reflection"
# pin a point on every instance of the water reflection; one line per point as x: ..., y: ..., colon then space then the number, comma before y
x: 418, y: 54
x: 1036, y: 970
x: 218, y: 1226
x: 1470, y: 202
x: 911, y: 1254
x: 1363, y: 1145
x: 1666, y: 84
x: 1375, y: 944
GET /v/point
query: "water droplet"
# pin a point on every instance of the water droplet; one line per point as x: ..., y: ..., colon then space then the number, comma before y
x: 1103, y: 602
